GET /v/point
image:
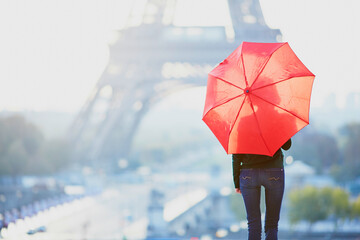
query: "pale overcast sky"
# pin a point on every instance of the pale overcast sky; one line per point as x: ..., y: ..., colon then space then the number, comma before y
x: 52, y: 52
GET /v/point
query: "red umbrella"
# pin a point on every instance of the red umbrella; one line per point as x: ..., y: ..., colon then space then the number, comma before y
x: 258, y: 98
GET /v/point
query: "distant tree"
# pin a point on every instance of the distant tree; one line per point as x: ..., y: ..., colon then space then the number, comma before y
x: 304, y: 148
x: 355, y: 208
x: 23, y: 149
x: 341, y: 205
x: 338, y: 172
x: 316, y: 149
x: 306, y: 204
x: 16, y: 128
x: 327, y: 151
x: 15, y: 159
x: 337, y: 202
x: 20, y: 142
x: 312, y: 204
x: 326, y: 198
x: 55, y: 156
x: 351, y: 150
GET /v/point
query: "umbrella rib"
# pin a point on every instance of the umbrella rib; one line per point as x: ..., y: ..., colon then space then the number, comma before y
x: 283, y: 109
x: 229, y: 83
x: 222, y: 103
x: 263, y: 66
x: 242, y: 61
x: 279, y: 82
x: 242, y: 104
x: 257, y: 121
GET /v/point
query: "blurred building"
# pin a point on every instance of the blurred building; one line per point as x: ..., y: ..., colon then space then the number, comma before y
x: 297, y: 173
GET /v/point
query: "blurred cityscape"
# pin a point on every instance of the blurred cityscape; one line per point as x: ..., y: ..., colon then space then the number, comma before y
x: 128, y: 166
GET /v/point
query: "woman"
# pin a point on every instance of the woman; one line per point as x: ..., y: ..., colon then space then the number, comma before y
x: 250, y: 171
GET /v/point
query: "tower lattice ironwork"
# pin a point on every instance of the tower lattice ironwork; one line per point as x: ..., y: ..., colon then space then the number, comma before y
x: 151, y: 60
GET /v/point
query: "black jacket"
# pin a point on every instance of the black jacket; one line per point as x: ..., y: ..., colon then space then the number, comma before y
x: 240, y: 161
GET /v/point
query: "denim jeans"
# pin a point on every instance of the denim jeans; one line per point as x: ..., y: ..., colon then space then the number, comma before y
x: 250, y: 185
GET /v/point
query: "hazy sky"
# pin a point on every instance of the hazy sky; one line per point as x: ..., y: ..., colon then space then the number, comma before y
x: 53, y: 52
x: 325, y: 34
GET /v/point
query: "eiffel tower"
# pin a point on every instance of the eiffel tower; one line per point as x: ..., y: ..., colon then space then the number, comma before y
x: 152, y: 60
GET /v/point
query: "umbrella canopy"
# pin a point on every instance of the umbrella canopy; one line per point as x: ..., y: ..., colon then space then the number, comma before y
x: 258, y: 98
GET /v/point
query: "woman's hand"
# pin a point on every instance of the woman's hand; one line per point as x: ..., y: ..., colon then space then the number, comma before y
x: 238, y: 190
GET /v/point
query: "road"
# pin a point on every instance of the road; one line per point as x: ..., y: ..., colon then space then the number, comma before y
x: 112, y: 215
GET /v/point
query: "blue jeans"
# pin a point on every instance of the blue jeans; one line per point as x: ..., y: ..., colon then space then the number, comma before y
x: 250, y: 184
